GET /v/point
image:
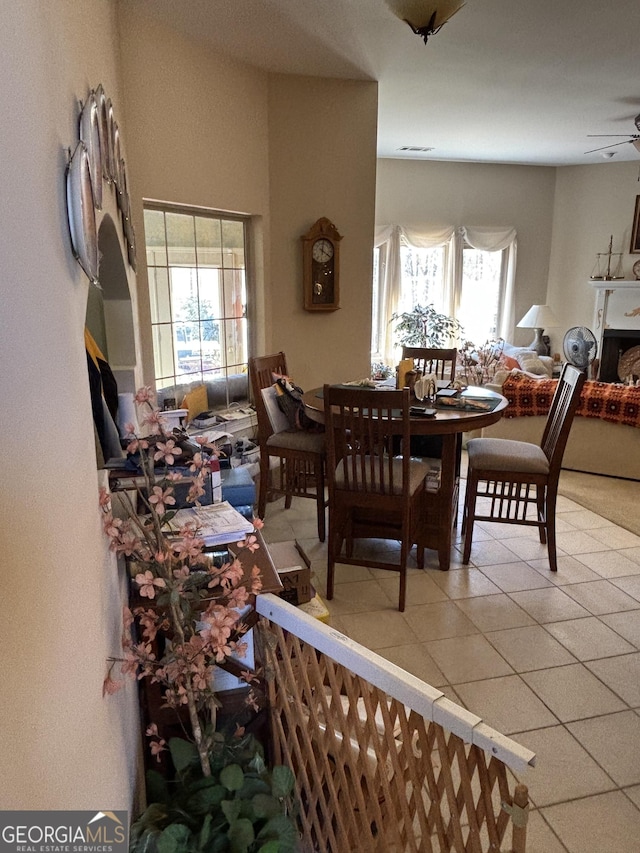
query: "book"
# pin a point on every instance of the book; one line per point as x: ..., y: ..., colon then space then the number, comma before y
x: 218, y: 523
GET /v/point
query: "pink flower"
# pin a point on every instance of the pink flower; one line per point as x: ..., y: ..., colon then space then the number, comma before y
x: 155, y: 422
x: 188, y: 547
x: 195, y: 491
x: 148, y: 584
x: 111, y: 686
x: 161, y: 499
x: 258, y: 523
x: 167, y: 451
x: 130, y: 428
x: 144, y: 395
x: 105, y: 498
x: 197, y: 462
x: 156, y: 747
x: 250, y: 543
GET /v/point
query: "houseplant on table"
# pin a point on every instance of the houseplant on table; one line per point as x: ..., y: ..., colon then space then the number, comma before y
x: 423, y: 326
x: 222, y: 797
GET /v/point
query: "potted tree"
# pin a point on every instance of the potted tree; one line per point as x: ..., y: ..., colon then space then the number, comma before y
x: 423, y: 326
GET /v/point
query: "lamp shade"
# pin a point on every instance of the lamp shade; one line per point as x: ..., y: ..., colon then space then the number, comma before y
x: 420, y: 13
x: 538, y: 317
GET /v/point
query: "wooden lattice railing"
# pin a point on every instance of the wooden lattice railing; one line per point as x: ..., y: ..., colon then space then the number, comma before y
x: 383, y: 761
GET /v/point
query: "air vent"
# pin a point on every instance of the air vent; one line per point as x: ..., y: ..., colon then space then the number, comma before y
x: 415, y: 148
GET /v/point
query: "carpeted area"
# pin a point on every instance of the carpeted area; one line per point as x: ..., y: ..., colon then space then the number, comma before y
x: 613, y: 499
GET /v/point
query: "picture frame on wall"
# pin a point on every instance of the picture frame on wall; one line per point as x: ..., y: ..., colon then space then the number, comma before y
x: 634, y: 248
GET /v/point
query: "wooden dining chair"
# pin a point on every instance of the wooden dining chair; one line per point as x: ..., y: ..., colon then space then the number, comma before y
x: 442, y: 362
x: 372, y: 493
x: 517, y: 476
x: 301, y: 454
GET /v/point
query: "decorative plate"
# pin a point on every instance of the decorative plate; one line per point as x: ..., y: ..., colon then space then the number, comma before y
x: 636, y: 270
x: 81, y: 212
x: 103, y: 128
x: 629, y: 363
x: 89, y: 131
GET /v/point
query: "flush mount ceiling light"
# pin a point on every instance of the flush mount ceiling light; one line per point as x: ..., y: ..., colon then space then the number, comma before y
x: 425, y: 17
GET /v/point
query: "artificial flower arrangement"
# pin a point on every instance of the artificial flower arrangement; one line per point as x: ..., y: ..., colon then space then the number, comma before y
x: 195, y: 607
x: 478, y: 364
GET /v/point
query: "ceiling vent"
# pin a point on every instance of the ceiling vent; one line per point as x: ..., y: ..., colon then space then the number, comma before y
x: 415, y: 149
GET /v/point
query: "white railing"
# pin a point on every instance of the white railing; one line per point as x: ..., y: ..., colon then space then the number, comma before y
x: 383, y: 761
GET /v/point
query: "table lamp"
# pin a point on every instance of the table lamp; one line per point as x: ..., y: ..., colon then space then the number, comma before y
x: 538, y: 317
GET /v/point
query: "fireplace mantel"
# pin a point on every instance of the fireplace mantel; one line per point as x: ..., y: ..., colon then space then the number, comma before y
x: 616, y: 322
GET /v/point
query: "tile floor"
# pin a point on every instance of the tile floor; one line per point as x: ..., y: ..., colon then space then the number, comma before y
x: 552, y: 661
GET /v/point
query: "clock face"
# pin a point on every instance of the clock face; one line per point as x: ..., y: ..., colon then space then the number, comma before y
x: 322, y: 251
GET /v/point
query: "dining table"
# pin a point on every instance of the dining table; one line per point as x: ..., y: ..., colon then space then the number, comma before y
x: 473, y: 409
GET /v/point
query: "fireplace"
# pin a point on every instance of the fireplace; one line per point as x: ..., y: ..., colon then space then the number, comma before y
x: 616, y: 324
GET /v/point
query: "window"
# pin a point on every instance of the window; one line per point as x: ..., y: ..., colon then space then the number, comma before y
x: 197, y: 265
x: 465, y: 272
x: 422, y: 278
x: 480, y: 294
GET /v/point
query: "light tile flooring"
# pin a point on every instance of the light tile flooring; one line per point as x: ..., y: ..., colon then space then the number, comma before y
x: 552, y: 661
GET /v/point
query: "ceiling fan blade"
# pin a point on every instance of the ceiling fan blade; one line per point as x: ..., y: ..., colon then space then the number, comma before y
x: 613, y: 145
x: 607, y: 135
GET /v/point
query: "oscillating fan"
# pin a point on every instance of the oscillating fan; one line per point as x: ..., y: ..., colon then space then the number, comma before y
x: 580, y: 347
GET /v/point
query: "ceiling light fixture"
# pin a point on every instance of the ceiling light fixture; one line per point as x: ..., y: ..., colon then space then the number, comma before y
x: 425, y: 17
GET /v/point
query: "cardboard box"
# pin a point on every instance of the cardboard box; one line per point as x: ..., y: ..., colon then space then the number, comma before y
x: 294, y: 570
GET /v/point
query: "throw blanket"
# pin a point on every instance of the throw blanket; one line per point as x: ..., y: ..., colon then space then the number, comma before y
x: 607, y: 401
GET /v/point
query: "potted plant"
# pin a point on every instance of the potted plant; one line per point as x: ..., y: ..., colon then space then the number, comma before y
x: 423, y: 326
x: 189, y: 614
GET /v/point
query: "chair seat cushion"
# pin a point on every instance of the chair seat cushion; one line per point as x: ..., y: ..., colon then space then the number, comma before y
x: 296, y: 439
x: 502, y: 454
x: 417, y: 472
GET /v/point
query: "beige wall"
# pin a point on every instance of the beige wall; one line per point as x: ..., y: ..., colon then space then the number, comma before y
x: 286, y: 150
x: 197, y: 134
x: 61, y: 744
x: 416, y: 193
x: 592, y: 203
x: 322, y: 162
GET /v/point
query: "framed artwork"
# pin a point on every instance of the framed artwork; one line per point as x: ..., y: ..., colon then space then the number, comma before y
x: 634, y: 248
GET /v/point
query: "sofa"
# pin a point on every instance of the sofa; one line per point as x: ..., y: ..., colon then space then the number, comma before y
x: 605, y: 435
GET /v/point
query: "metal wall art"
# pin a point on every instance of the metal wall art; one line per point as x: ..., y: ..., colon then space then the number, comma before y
x: 96, y: 160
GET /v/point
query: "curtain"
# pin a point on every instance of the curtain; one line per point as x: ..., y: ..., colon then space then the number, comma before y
x: 390, y: 238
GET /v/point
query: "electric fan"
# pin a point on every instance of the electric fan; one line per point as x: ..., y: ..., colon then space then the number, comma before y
x: 580, y: 347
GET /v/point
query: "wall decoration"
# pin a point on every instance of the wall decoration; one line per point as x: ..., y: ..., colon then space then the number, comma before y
x: 97, y: 160
x: 321, y: 266
x: 81, y: 212
x: 635, y: 231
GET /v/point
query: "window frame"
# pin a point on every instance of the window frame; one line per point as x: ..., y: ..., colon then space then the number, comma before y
x: 171, y: 386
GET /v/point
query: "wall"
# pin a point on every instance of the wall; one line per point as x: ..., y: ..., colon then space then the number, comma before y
x: 62, y: 745
x: 592, y: 203
x: 322, y: 163
x: 197, y: 134
x: 286, y: 150
x: 417, y: 193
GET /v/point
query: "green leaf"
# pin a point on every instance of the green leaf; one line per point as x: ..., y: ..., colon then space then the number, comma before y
x: 280, y: 828
x: 257, y: 764
x: 232, y: 777
x: 266, y: 806
x: 282, y: 781
x: 205, y: 832
x: 157, y: 788
x: 271, y: 846
x: 183, y: 753
x: 231, y: 809
x: 174, y: 839
x: 241, y: 835
x: 206, y: 799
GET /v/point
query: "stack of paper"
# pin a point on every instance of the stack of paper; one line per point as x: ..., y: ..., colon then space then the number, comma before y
x: 217, y: 524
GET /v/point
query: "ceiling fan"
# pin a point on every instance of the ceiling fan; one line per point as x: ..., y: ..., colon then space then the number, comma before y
x: 634, y: 138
